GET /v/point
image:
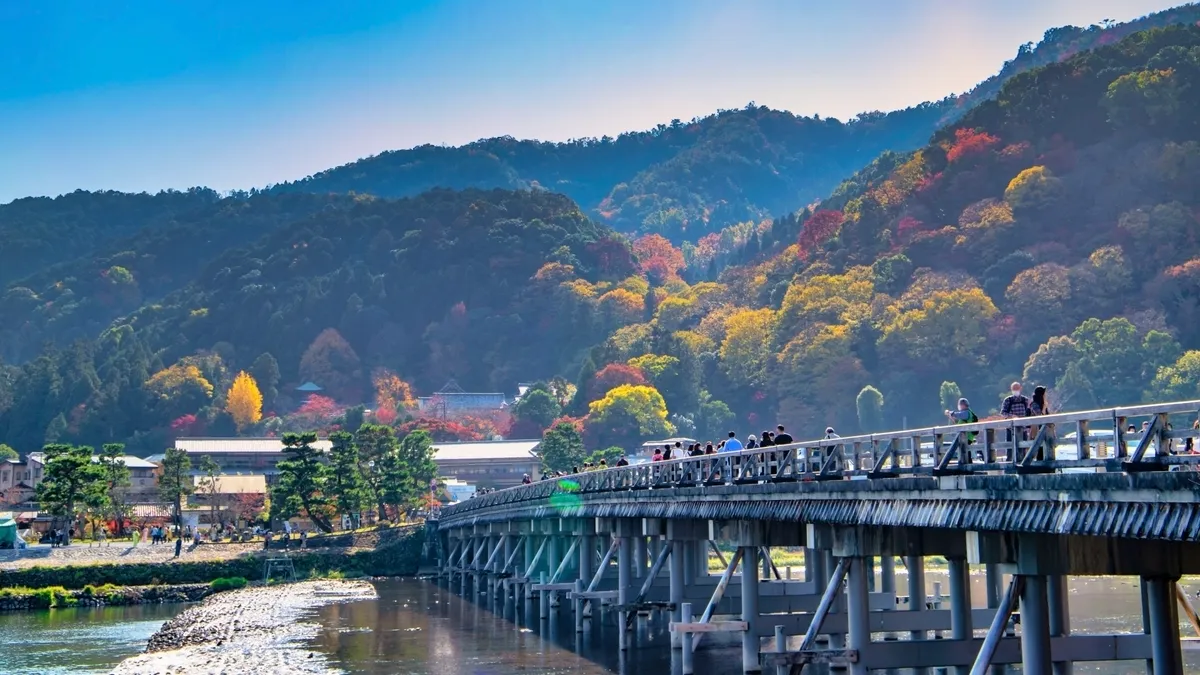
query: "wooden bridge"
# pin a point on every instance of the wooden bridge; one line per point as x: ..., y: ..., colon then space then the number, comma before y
x: 1032, y: 501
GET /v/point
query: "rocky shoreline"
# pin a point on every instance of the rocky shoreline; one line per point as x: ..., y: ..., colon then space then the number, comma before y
x: 257, y: 629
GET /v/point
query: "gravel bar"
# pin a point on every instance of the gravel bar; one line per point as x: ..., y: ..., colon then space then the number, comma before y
x: 253, y: 630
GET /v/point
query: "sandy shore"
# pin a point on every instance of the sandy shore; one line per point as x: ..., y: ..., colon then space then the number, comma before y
x: 253, y: 630
x: 82, y: 554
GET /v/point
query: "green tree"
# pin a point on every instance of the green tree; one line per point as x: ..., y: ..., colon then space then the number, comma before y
x: 376, y: 444
x: 870, y: 409
x: 301, y: 482
x: 116, y: 477
x: 1179, y: 381
x: 72, y: 481
x: 265, y: 371
x: 8, y: 453
x: 948, y: 395
x: 210, y: 486
x: 537, y: 407
x: 412, y: 470
x: 712, y: 416
x: 562, y: 448
x: 609, y: 455
x: 346, y: 486
x: 175, y: 483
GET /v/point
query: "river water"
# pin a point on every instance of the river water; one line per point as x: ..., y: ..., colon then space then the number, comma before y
x: 420, y: 628
x: 77, y: 639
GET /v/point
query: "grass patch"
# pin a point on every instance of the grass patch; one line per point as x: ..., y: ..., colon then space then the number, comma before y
x: 228, y: 583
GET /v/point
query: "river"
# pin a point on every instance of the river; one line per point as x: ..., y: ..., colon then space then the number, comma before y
x: 419, y: 628
x: 77, y: 639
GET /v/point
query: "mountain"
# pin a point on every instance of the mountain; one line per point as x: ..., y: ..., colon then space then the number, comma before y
x: 678, y: 180
x: 686, y: 180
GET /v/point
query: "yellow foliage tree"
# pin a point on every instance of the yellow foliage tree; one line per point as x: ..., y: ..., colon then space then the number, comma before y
x: 180, y: 381
x: 627, y: 413
x: 391, y: 392
x: 1034, y: 188
x: 244, y: 401
x: 949, y: 327
x: 746, y: 349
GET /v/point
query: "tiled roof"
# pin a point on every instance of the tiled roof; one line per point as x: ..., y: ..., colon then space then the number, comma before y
x: 485, y: 450
x: 216, y: 446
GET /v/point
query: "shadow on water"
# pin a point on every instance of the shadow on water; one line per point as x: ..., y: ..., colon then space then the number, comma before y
x: 424, y: 629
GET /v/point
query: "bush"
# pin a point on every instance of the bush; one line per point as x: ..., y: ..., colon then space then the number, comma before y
x: 228, y: 583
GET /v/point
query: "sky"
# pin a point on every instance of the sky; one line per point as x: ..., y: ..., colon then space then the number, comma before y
x: 143, y: 95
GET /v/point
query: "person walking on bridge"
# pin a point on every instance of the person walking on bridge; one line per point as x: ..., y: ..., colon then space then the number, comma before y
x: 782, y: 437
x: 732, y: 444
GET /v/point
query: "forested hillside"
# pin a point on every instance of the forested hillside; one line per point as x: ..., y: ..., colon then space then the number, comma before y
x: 680, y: 180
x: 439, y: 286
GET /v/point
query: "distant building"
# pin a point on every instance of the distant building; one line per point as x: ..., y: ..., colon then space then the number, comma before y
x: 19, y: 479
x: 309, y: 388
x: 494, y: 464
x: 452, y: 400
x: 237, y: 456
x: 483, y: 463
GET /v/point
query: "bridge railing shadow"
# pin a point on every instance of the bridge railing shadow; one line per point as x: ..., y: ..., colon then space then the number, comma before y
x: 1085, y: 441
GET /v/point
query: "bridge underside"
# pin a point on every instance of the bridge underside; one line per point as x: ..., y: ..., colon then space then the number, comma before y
x: 620, y: 552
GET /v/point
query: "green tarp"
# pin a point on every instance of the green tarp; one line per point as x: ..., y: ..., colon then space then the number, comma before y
x: 8, y: 533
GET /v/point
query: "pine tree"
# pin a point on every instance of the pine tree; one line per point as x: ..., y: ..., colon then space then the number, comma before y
x: 176, y: 481
x: 244, y: 401
x: 345, y: 483
x: 302, y: 478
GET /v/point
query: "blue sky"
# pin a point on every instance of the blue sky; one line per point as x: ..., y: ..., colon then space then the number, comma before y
x: 146, y: 94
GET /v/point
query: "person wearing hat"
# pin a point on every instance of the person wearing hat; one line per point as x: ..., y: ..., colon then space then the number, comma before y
x: 964, y: 415
x: 829, y: 433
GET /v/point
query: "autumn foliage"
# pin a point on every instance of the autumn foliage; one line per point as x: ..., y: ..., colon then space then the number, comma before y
x: 611, y: 376
x: 818, y: 229
x: 243, y: 402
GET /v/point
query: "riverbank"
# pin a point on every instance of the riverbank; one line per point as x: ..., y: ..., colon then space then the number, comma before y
x: 255, y: 630
x: 387, y: 552
x: 57, y: 597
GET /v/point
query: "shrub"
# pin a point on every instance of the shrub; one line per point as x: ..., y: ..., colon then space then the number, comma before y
x: 228, y: 583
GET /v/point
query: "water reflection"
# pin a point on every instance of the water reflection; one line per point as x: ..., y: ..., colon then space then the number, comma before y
x: 423, y: 629
x: 78, y: 640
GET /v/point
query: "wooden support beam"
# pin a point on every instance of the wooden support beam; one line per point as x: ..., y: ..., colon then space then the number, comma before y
x: 831, y: 593
x: 513, y: 557
x: 719, y: 592
x: 999, y: 623
x: 710, y: 627
x: 566, y: 560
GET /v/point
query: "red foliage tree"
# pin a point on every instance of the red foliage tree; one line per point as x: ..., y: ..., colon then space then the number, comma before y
x: 970, y: 143
x: 317, y: 412
x: 613, y: 375
x: 818, y: 229
x: 657, y: 258
x: 907, y: 227
x: 442, y: 431
x: 612, y: 257
x: 187, y: 425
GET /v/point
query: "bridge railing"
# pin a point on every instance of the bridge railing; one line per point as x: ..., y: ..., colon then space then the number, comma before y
x: 1090, y: 440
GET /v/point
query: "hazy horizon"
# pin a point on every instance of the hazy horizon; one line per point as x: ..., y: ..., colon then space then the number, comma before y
x: 149, y: 97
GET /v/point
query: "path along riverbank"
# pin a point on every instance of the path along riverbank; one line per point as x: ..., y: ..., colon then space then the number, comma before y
x: 254, y: 630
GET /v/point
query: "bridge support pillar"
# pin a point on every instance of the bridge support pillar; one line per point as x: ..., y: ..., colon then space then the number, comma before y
x: 1163, y: 610
x: 639, y: 556
x: 858, y: 612
x: 960, y: 605
x: 1035, y: 627
x: 1059, y: 616
x: 750, y: 644
x: 624, y: 565
x: 676, y: 581
x: 916, y: 596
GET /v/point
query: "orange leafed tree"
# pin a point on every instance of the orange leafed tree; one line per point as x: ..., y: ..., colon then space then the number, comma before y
x: 969, y: 143
x: 244, y: 401
x: 657, y: 258
x: 392, y: 394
